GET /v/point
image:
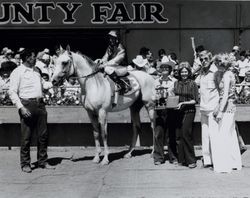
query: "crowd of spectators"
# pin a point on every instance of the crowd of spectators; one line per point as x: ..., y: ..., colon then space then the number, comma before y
x: 69, y: 93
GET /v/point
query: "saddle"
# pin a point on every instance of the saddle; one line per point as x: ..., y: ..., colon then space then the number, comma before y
x: 126, y: 85
x: 123, y: 85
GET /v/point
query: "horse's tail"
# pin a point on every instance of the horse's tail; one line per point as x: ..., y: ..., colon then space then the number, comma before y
x: 147, y: 84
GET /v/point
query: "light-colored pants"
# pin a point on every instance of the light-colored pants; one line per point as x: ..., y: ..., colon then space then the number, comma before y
x: 208, y: 126
x: 109, y: 69
x: 119, y: 70
x: 225, y: 147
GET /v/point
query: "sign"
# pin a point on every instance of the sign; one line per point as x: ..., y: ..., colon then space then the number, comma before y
x: 80, y: 13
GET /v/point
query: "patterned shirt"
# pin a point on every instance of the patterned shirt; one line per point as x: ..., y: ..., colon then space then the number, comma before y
x: 186, y: 90
x: 166, y: 83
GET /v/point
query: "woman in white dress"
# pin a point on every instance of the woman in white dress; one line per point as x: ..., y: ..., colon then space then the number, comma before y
x: 225, y: 148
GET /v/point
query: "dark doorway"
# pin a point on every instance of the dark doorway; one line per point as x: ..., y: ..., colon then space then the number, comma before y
x: 91, y: 42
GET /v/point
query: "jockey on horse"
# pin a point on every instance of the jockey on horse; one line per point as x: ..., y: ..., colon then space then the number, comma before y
x: 113, y: 58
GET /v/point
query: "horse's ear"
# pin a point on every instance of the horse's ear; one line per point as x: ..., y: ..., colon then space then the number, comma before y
x: 61, y: 49
x: 68, y: 48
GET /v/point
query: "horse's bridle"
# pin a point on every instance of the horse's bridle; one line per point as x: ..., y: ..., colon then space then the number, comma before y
x: 74, y: 75
x: 72, y: 64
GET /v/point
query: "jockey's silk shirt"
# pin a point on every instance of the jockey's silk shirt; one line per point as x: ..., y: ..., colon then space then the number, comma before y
x: 25, y: 83
x: 114, y: 55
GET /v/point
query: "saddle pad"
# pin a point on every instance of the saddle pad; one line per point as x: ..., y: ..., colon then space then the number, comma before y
x: 130, y: 80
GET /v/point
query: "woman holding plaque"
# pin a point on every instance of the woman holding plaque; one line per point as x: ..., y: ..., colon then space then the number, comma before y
x: 187, y: 91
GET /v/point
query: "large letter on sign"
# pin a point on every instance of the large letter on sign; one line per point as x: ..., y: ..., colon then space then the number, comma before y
x: 44, y: 11
x: 100, y: 12
x: 120, y: 14
x: 6, y: 13
x: 27, y: 15
x: 69, y: 12
x: 153, y: 12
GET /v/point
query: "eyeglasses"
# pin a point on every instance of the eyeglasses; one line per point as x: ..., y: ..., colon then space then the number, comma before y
x: 204, y: 59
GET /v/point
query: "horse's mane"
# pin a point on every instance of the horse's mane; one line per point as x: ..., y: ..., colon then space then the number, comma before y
x: 89, y: 60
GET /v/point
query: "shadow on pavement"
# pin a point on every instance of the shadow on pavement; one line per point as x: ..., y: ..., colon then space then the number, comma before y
x: 86, y: 158
x: 115, y: 156
x: 51, y: 161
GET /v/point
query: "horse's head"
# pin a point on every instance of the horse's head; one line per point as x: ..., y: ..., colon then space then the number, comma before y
x: 64, y: 67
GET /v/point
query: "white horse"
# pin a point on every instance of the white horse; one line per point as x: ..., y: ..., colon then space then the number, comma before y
x: 97, y: 97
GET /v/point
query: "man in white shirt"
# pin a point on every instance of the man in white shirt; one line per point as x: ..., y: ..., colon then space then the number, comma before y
x: 208, y: 104
x: 26, y: 93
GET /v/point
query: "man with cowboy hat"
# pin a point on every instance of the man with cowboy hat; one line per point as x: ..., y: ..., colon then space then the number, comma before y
x: 165, y: 120
x: 140, y: 63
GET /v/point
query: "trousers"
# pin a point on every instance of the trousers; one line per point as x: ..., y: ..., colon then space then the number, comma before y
x: 208, y: 127
x: 186, y: 146
x: 165, y: 122
x: 37, y: 122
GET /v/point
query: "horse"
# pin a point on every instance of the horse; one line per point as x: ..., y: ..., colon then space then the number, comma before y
x: 96, y: 97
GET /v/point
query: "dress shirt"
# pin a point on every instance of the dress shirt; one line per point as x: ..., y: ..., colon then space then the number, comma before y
x: 208, y: 93
x: 244, y: 66
x: 25, y: 83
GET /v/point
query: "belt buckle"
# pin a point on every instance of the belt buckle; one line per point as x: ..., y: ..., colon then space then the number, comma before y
x: 35, y: 99
x: 39, y: 100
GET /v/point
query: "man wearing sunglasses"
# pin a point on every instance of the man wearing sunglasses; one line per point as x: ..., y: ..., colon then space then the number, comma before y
x: 209, y: 99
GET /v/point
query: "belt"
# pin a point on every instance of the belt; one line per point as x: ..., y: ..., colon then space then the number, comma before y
x: 32, y: 99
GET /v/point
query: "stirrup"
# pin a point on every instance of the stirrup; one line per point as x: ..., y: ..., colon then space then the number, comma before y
x: 118, y: 87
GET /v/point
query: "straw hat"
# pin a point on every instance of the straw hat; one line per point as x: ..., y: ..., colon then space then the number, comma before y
x: 4, y: 50
x: 46, y: 50
x: 113, y: 33
x: 9, y: 51
x: 236, y: 48
x: 45, y: 57
x: 140, y: 61
x: 167, y: 64
x: 20, y: 49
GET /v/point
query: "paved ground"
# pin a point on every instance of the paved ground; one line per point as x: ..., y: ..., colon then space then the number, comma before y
x: 122, y: 178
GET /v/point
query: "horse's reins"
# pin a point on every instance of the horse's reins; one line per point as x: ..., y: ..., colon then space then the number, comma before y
x: 86, y: 76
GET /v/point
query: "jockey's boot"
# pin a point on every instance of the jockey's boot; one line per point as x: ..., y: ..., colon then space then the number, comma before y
x: 122, y: 87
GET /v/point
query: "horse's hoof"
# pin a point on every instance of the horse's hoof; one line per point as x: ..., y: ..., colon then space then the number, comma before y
x: 128, y: 155
x: 72, y: 158
x: 104, y: 162
x: 96, y: 160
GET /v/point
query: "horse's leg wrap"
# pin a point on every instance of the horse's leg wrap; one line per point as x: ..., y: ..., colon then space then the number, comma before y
x: 96, y: 159
x: 103, y: 123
